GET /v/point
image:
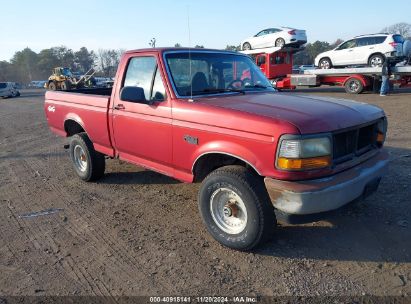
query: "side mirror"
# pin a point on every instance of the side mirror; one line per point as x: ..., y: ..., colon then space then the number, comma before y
x: 133, y: 94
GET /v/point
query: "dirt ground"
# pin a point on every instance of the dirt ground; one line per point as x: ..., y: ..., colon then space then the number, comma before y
x: 137, y: 232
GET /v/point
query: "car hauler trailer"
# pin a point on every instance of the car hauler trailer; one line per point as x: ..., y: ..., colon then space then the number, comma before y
x: 276, y: 63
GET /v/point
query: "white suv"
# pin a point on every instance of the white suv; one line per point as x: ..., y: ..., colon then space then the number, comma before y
x: 363, y: 50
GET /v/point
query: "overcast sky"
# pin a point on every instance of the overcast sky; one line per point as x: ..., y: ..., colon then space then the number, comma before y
x: 214, y: 23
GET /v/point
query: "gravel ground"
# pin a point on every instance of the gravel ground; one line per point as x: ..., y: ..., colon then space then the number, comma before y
x: 137, y: 232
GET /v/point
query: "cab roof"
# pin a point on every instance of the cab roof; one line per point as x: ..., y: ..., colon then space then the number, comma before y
x: 166, y: 49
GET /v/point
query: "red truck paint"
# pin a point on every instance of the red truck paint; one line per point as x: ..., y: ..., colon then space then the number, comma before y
x: 246, y: 126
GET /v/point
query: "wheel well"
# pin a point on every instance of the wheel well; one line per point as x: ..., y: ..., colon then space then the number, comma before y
x: 209, y: 162
x: 72, y: 127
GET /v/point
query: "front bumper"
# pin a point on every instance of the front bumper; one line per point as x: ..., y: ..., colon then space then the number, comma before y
x: 329, y: 193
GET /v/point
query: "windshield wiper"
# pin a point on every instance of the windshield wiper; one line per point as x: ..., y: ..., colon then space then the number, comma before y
x: 207, y: 91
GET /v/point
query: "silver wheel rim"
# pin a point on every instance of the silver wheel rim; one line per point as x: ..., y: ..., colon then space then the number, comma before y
x: 280, y: 43
x: 376, y: 61
x: 247, y: 47
x: 228, y: 211
x: 324, y: 64
x: 353, y: 85
x: 80, y: 158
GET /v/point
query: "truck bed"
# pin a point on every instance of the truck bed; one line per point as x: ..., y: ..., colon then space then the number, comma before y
x: 80, y: 108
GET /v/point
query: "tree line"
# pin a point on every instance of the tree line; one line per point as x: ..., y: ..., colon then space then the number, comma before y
x: 27, y: 65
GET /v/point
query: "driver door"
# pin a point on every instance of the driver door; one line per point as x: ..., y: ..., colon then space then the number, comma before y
x: 344, y: 54
x: 143, y: 130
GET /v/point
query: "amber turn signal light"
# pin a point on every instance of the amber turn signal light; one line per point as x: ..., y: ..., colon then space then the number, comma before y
x: 304, y: 163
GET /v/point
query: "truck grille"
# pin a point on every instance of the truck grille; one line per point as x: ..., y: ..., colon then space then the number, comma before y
x: 354, y: 142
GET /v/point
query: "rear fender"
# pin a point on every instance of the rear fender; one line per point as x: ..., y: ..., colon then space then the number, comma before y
x: 76, y: 118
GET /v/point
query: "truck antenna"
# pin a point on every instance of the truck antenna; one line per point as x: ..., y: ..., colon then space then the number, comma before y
x: 189, y: 53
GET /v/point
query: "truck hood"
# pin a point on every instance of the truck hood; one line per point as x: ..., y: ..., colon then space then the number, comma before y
x: 310, y: 114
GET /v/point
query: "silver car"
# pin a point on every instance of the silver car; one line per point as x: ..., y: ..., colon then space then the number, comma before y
x: 8, y: 89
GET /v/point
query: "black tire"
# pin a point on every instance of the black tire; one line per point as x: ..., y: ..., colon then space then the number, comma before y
x: 94, y: 161
x: 52, y: 86
x: 279, y: 42
x: 353, y: 86
x: 325, y: 63
x: 376, y: 60
x: 65, y: 86
x: 18, y: 94
x: 246, y: 46
x: 249, y: 187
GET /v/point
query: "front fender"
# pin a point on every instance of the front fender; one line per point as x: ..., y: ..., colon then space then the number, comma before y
x: 228, y: 148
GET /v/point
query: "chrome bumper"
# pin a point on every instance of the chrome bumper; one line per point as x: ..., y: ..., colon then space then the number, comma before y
x: 325, y: 194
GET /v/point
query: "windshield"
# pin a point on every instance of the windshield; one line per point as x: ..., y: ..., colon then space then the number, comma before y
x: 3, y: 85
x: 211, y: 73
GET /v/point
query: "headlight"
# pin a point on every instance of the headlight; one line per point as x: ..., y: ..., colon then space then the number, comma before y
x: 304, y: 154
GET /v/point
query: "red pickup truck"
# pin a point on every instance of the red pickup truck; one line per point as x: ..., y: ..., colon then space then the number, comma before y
x: 192, y: 114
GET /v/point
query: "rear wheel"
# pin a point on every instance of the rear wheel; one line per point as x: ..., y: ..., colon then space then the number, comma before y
x: 325, y: 63
x: 88, y: 163
x: 246, y: 46
x: 66, y: 86
x: 235, y: 207
x: 376, y: 60
x: 353, y: 86
x: 279, y: 42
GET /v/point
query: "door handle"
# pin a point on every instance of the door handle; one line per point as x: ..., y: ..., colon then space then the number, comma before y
x: 119, y: 107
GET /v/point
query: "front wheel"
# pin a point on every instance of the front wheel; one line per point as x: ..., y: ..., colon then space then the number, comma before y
x: 52, y: 86
x: 325, y: 63
x: 88, y: 164
x: 235, y: 207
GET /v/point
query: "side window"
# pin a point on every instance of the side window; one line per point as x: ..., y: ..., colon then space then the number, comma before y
x: 262, y: 33
x: 380, y: 39
x: 347, y: 45
x: 158, y: 93
x: 365, y: 41
x: 142, y: 72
